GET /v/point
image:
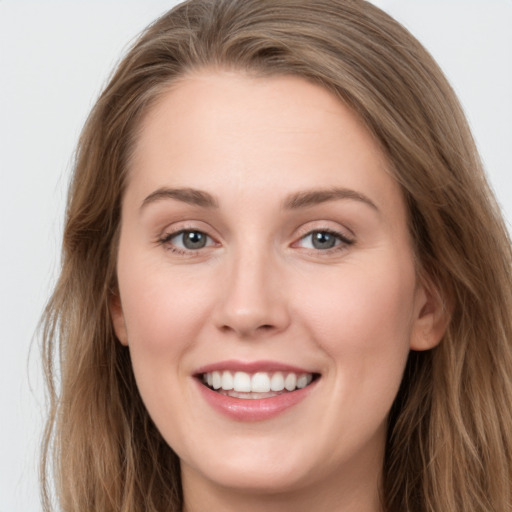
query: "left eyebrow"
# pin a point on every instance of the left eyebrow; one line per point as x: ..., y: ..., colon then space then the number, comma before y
x: 186, y: 195
x: 314, y: 197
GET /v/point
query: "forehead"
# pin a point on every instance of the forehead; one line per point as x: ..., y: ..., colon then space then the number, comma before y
x: 216, y: 129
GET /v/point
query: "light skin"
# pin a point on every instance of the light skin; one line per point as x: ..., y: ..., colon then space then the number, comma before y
x: 307, y: 261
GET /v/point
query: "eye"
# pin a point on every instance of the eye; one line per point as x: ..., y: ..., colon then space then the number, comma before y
x: 187, y: 240
x: 323, y: 240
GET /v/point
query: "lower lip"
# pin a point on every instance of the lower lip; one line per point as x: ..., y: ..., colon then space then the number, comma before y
x: 246, y: 409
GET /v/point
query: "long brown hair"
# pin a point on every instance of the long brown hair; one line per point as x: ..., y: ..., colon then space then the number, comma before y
x: 449, y: 445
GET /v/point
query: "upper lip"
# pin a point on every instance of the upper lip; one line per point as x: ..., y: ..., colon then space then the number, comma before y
x: 250, y: 367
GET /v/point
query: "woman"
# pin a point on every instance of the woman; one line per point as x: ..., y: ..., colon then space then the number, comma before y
x: 285, y: 282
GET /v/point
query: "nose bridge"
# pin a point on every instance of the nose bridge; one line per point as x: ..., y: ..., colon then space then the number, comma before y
x: 253, y: 299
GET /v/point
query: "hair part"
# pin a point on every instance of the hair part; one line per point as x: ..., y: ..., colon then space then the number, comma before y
x: 449, y: 443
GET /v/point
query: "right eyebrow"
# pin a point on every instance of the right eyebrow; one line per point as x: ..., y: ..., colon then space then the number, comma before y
x: 186, y: 195
x: 313, y: 197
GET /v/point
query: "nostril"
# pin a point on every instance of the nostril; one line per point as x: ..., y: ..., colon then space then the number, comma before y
x: 261, y: 328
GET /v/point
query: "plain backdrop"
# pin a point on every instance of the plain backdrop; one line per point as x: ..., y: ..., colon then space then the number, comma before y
x: 54, y: 59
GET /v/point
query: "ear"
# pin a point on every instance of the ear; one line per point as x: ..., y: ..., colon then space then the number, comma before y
x: 432, y: 314
x: 117, y: 316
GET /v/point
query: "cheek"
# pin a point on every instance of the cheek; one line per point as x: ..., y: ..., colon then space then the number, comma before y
x: 373, y: 301
x: 162, y: 309
x: 362, y: 317
x: 362, y: 320
x: 163, y: 317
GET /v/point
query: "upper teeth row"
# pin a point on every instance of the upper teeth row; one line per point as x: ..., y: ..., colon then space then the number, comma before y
x: 261, y: 382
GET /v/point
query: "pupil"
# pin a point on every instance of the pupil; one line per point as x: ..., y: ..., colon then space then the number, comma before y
x: 194, y: 240
x: 323, y: 240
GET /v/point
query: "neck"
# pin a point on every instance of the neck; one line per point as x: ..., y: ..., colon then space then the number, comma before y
x: 357, y: 491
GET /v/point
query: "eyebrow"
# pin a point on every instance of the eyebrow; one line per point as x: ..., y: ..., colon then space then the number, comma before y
x: 298, y: 200
x: 309, y: 198
x: 186, y: 195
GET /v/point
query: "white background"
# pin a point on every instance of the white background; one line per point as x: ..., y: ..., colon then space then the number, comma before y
x: 54, y: 59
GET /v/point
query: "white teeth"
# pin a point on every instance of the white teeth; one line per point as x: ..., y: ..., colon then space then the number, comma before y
x: 277, y: 382
x: 257, y: 383
x: 216, y: 380
x: 302, y: 381
x: 260, y: 383
x: 290, y: 382
x: 242, y: 382
x: 227, y: 381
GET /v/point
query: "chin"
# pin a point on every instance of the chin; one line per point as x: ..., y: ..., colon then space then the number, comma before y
x: 255, y: 471
x: 260, y: 480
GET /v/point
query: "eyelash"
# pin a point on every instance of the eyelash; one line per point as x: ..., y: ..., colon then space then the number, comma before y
x: 166, y: 242
x: 342, y: 241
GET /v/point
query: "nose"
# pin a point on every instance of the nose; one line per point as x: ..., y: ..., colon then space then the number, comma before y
x: 252, y: 302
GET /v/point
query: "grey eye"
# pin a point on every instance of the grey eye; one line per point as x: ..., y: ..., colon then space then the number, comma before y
x: 192, y: 240
x: 323, y: 240
x: 187, y: 241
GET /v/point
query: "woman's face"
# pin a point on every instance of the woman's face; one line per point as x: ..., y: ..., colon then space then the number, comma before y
x: 264, y: 249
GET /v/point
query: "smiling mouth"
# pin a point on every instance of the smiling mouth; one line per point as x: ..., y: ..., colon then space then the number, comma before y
x: 257, y: 385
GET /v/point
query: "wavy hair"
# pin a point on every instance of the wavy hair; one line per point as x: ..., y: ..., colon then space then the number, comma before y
x: 449, y: 443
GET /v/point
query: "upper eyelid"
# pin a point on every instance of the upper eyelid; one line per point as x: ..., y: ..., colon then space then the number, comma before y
x: 326, y: 230
x: 316, y: 226
x: 174, y: 228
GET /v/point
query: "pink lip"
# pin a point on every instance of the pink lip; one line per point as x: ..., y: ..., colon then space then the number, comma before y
x: 250, y: 367
x: 244, y: 409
